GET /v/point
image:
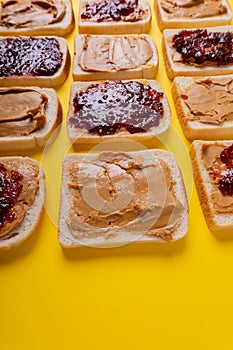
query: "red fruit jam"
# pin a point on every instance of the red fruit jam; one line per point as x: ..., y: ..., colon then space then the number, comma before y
x: 115, y: 10
x: 29, y: 56
x: 10, y: 189
x: 106, y: 108
x: 200, y: 46
x: 225, y: 183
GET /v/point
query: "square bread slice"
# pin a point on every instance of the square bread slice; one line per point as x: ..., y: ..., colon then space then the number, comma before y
x: 92, y: 26
x: 82, y: 136
x: 204, y: 106
x: 18, y: 17
x: 189, y: 14
x: 148, y: 70
x: 115, y: 198
x: 176, y: 67
x: 207, y: 168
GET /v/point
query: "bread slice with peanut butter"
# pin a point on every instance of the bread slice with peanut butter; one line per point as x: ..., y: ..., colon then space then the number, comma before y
x: 36, y: 17
x: 29, y: 116
x: 22, y: 200
x: 115, y: 198
x: 99, y: 57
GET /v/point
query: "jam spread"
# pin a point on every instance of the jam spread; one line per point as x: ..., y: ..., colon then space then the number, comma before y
x: 10, y: 189
x: 113, y: 10
x: 106, y: 108
x: 200, y: 47
x: 29, y: 56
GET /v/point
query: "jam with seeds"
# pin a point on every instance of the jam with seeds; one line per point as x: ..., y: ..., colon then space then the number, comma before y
x: 106, y: 108
x: 29, y: 56
x: 200, y: 46
x: 10, y: 189
x: 114, y: 10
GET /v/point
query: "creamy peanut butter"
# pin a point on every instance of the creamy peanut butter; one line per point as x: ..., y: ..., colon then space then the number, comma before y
x: 30, y: 185
x: 193, y: 8
x: 31, y: 13
x: 211, y: 156
x: 115, y: 193
x: 210, y: 100
x: 22, y: 111
x: 109, y: 53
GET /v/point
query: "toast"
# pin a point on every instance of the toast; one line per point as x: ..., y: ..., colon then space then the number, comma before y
x: 204, y: 106
x: 175, y: 66
x: 119, y: 91
x: 208, y: 169
x: 111, y: 199
x: 36, y: 18
x: 33, y: 61
x: 25, y: 214
x: 201, y: 14
x: 29, y: 127
x: 139, y: 21
x: 137, y: 58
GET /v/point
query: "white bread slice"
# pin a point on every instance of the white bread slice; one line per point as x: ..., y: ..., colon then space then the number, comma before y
x: 112, y: 27
x: 146, y: 71
x: 42, y: 81
x: 33, y: 215
x: 125, y: 236
x: 193, y: 129
x: 215, y: 221
x: 63, y: 27
x: 39, y: 138
x: 78, y: 136
x: 183, y: 69
x: 166, y: 22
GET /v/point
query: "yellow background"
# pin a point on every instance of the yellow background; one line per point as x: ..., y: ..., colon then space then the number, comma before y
x: 177, y: 296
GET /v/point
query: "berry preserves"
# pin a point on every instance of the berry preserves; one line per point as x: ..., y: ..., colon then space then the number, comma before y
x: 106, y: 108
x: 200, y: 46
x: 114, y: 10
x: 29, y: 56
x: 10, y: 189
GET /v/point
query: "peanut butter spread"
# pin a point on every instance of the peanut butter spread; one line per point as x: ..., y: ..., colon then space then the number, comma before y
x: 30, y: 185
x: 105, y: 54
x: 22, y: 111
x: 193, y: 8
x: 116, y: 193
x: 211, y: 156
x: 210, y: 100
x: 31, y: 13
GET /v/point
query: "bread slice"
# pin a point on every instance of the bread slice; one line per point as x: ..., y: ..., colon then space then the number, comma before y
x: 195, y: 129
x: 135, y: 231
x: 38, y: 138
x: 78, y: 136
x: 166, y: 20
x: 60, y: 28
x: 52, y: 81
x: 183, y: 69
x: 115, y: 27
x: 27, y: 226
x: 216, y: 221
x: 146, y: 71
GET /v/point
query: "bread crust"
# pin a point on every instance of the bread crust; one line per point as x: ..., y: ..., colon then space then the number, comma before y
x: 181, y: 69
x: 164, y: 22
x: 81, y: 136
x: 42, y: 81
x: 33, y: 215
x: 68, y: 241
x: 195, y: 130
x: 38, y: 139
x: 147, y: 71
x: 116, y: 28
x: 65, y: 26
x: 215, y: 221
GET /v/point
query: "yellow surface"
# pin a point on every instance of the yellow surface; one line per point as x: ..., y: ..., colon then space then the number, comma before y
x: 176, y: 296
